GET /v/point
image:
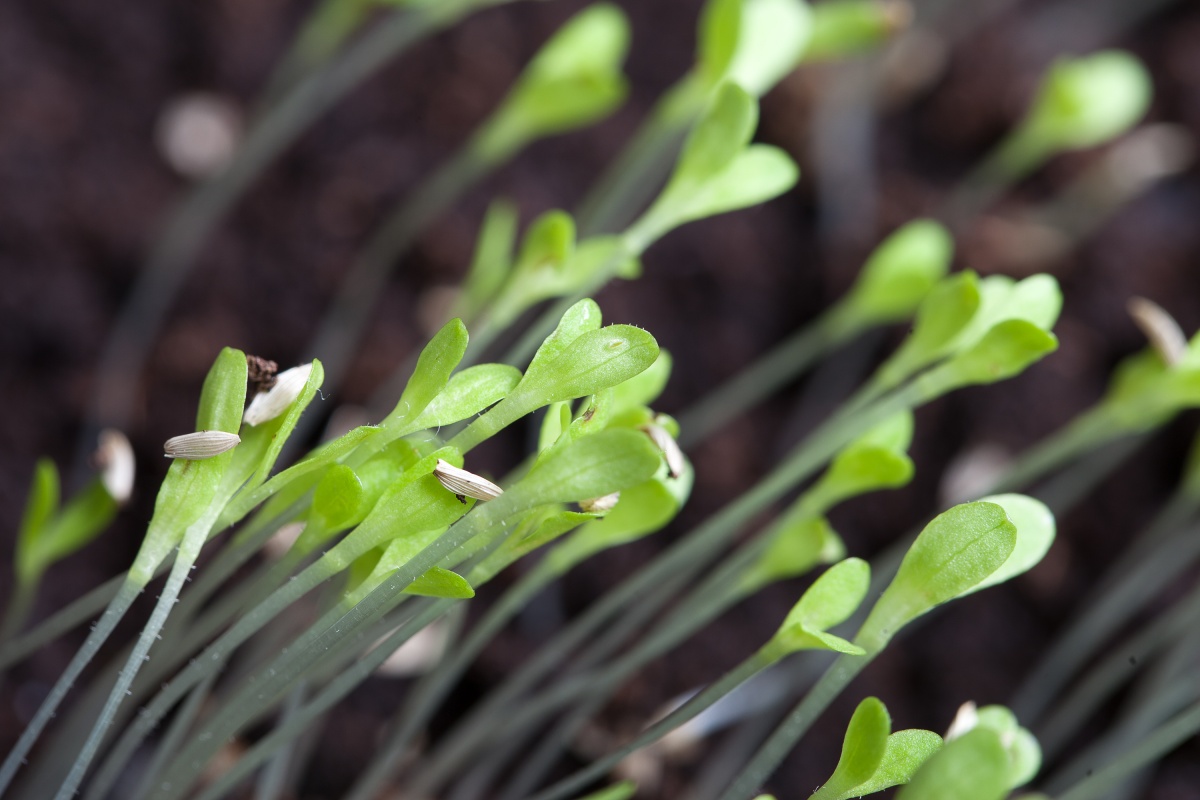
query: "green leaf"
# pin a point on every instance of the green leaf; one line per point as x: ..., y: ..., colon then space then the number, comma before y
x: 758, y: 174
x: 40, y: 508
x: 550, y: 239
x: 468, y: 392
x: 1036, y: 299
x: 643, y: 509
x: 863, y: 749
x: 556, y: 420
x: 799, y: 543
x: 289, y: 485
x: 831, y: 599
x: 492, y: 260
x: 718, y: 137
x: 1084, y: 102
x: 773, y: 35
x: 223, y: 396
x: 80, y: 521
x: 438, y: 582
x: 577, y: 320
x: 1035, y: 533
x: 1004, y: 351
x: 858, y: 470
x: 261, y: 444
x: 574, y: 80
x: 645, y: 387
x: 591, y: 466
x: 847, y: 28
x: 191, y: 489
x: 906, y: 751
x: 956, y: 551
x: 946, y: 310
x: 974, y: 766
x: 434, y: 368
x: 1024, y: 752
x: 902, y: 270
x: 894, y: 433
x: 338, y: 496
x: 720, y: 24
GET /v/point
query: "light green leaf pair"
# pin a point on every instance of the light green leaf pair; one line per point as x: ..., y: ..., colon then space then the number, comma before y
x: 718, y: 170
x: 974, y: 765
x: 1082, y: 102
x: 491, y: 261
x: 798, y: 543
x: 872, y: 462
x: 956, y: 554
x: 578, y: 359
x: 752, y: 43
x: 574, y: 80
x: 1145, y: 392
x: 47, y: 533
x: 873, y: 758
x: 831, y: 599
x: 900, y: 272
x: 430, y: 377
x: 1022, y: 748
x: 982, y: 331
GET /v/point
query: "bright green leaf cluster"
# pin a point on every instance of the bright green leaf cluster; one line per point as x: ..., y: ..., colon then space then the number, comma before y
x: 831, y: 599
x: 574, y: 80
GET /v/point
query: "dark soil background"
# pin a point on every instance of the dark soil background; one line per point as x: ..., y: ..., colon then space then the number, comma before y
x: 83, y: 192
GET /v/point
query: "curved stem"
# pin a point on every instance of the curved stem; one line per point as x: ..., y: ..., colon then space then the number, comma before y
x: 1162, y: 741
x: 189, y: 226
x: 117, y: 608
x: 689, y: 710
x: 180, y: 724
x: 797, y: 723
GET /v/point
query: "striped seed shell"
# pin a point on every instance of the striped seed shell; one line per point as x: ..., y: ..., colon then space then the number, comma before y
x: 465, y: 484
x: 268, y: 405
x: 200, y: 445
x: 600, y: 505
x: 669, y: 447
x: 1164, y: 333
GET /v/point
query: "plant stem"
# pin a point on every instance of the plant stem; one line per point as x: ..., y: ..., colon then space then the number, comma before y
x: 78, y: 611
x: 126, y: 594
x: 1169, y: 736
x: 170, y: 742
x: 776, y: 368
x: 689, y: 710
x: 797, y: 723
x: 17, y: 612
x: 189, y: 225
x: 189, y: 550
x: 345, y: 682
x: 435, y: 685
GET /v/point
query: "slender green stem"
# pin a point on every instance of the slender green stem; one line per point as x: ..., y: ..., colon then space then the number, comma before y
x: 769, y: 372
x: 170, y: 742
x: 707, y: 539
x: 345, y: 682
x: 79, y: 611
x: 797, y: 723
x: 190, y: 224
x: 274, y: 776
x: 117, y: 608
x: 1169, y: 736
x: 1085, y: 433
x: 17, y: 612
x: 189, y: 550
x: 689, y: 710
x: 434, y: 687
x: 1102, y: 680
x: 259, y: 693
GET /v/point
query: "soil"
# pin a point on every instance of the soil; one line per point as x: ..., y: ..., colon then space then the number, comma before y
x: 84, y: 192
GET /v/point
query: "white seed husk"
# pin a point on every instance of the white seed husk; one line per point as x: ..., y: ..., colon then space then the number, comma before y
x: 465, y: 484
x: 268, y: 405
x: 200, y: 445
x: 669, y: 447
x: 1164, y: 333
x: 600, y: 505
x: 966, y: 719
x: 114, y: 457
